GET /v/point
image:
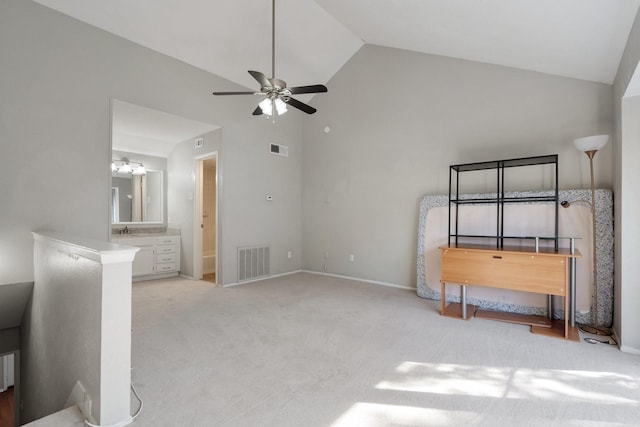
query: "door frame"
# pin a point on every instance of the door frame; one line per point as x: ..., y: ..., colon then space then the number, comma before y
x: 14, y: 366
x: 197, y: 217
x: 8, y: 371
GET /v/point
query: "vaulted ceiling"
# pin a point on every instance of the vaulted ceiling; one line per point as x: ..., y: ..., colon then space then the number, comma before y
x: 581, y: 39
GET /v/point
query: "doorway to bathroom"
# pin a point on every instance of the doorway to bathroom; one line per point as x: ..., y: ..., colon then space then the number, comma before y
x: 207, y: 214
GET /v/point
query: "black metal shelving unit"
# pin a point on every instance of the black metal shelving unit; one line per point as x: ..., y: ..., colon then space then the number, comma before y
x: 500, y: 198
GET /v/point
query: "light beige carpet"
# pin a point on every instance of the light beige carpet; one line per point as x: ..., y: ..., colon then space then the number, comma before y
x: 310, y: 350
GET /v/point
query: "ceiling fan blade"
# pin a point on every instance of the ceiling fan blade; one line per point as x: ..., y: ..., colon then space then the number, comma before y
x: 299, y: 105
x: 307, y: 89
x: 235, y: 93
x: 261, y: 78
x: 257, y: 111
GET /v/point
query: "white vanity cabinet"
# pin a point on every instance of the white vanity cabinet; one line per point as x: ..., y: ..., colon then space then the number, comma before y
x: 143, y: 263
x: 167, y: 256
x: 158, y: 257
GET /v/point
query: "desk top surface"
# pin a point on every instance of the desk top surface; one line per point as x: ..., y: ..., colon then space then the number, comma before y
x: 562, y: 252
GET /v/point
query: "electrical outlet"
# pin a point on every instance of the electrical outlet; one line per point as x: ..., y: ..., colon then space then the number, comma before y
x: 352, y: 257
x: 289, y: 254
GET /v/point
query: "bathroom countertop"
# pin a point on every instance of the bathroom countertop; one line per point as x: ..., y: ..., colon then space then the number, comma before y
x: 141, y: 233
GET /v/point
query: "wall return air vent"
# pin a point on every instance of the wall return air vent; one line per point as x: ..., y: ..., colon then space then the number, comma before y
x: 253, y: 262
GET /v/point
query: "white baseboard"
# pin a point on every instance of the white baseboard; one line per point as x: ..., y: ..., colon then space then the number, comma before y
x: 321, y: 273
x: 260, y: 279
x: 154, y: 276
x: 624, y: 348
x: 630, y: 350
x: 80, y: 397
x: 374, y: 282
x: 616, y: 337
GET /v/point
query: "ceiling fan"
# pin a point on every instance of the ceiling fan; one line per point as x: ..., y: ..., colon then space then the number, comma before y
x: 277, y: 94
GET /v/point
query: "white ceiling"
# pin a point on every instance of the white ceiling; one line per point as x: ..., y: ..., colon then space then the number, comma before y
x: 583, y: 39
x: 143, y: 130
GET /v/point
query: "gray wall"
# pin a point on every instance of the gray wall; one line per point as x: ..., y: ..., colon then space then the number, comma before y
x: 398, y: 119
x: 243, y: 207
x: 181, y: 167
x: 58, y: 76
x: 9, y: 340
x: 626, y: 320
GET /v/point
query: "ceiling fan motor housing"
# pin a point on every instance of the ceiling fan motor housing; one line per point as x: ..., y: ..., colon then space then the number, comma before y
x: 276, y: 84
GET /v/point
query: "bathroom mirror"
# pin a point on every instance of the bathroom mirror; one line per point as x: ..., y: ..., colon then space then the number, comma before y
x: 141, y: 136
x: 137, y: 199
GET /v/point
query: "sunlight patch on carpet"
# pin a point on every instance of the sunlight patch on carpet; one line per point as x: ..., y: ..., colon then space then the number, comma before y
x: 603, y: 388
x: 378, y: 414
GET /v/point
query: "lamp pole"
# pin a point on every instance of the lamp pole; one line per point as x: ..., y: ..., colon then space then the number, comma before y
x: 590, y: 146
x: 591, y: 154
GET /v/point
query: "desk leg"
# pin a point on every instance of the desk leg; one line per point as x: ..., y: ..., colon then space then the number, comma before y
x: 550, y: 307
x: 572, y: 284
x: 463, y: 300
x: 456, y: 310
x: 566, y: 318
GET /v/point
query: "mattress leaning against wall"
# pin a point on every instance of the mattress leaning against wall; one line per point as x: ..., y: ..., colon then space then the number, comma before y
x: 432, y: 233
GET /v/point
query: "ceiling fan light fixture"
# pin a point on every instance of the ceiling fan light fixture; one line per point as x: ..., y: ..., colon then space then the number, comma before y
x: 281, y: 106
x: 266, y: 106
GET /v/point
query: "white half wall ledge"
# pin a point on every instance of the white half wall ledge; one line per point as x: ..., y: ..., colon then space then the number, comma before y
x: 102, y: 252
x: 83, y: 287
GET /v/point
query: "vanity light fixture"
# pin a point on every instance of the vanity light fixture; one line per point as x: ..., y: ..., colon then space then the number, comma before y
x: 139, y: 170
x: 125, y: 165
x: 126, y: 168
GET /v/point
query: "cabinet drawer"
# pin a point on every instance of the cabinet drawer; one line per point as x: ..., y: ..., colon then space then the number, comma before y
x: 167, y: 240
x: 162, y: 258
x: 527, y: 272
x: 166, y: 249
x: 163, y: 268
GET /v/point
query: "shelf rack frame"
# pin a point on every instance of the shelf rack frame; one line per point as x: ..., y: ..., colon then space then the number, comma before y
x: 500, y: 198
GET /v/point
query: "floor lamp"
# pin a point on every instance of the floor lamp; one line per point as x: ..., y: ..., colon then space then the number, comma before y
x: 590, y: 146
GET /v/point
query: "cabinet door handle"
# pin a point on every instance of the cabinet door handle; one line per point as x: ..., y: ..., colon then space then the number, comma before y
x: 497, y: 257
